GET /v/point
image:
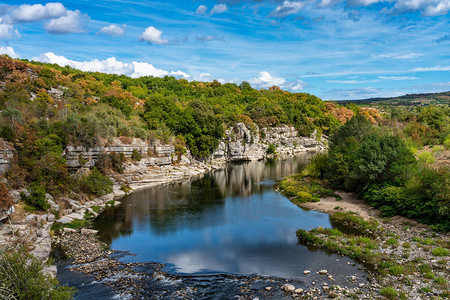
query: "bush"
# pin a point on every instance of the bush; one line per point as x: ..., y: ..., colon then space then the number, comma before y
x: 271, y: 149
x: 22, y: 278
x: 389, y: 292
x: 96, y: 183
x: 440, y: 251
x: 5, y: 198
x: 37, y: 197
x: 136, y: 156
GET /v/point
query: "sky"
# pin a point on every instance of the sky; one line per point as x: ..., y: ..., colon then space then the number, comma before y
x: 335, y: 49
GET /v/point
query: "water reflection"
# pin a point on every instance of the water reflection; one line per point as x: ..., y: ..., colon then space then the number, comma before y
x: 230, y: 220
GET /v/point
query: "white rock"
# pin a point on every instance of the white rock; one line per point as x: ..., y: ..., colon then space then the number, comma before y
x: 288, y: 287
x: 69, y: 229
x: 298, y: 291
x: 268, y: 288
x: 323, y: 272
x: 88, y: 231
x: 306, y: 272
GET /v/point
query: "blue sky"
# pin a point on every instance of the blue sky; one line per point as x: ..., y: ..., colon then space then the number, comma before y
x: 331, y: 48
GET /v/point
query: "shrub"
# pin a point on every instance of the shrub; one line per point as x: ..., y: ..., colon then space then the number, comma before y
x: 37, y: 197
x: 389, y: 292
x: 96, y: 183
x: 303, y: 196
x: 271, y: 149
x: 22, y: 278
x: 440, y: 251
x: 5, y: 198
x: 136, y: 156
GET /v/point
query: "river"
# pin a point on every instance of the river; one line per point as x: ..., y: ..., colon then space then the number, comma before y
x: 230, y: 222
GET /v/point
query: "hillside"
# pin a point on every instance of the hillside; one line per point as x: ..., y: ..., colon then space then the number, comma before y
x: 407, y: 100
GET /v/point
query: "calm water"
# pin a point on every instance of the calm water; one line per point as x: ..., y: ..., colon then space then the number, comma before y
x: 229, y: 221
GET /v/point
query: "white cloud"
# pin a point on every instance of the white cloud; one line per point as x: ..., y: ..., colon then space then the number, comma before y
x: 363, y: 2
x: 8, y: 32
x: 353, y: 81
x: 153, y: 35
x: 398, y: 77
x: 111, y: 66
x: 32, y: 13
x: 113, y: 30
x: 265, y: 80
x: 430, y: 69
x: 201, y: 10
x: 398, y: 55
x: 9, y: 51
x: 218, y: 9
x: 71, y: 22
x: 427, y: 7
x: 287, y: 8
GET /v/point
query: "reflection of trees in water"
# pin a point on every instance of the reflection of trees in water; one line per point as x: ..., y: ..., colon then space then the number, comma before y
x: 169, y: 208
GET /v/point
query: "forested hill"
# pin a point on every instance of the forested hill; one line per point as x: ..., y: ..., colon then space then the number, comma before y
x: 42, y: 101
x: 408, y: 100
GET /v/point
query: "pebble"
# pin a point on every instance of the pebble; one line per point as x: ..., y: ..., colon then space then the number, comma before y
x: 268, y: 288
x: 298, y: 291
x: 323, y: 272
x: 306, y: 272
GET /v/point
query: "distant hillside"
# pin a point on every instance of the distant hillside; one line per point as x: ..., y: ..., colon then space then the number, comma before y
x: 408, y: 100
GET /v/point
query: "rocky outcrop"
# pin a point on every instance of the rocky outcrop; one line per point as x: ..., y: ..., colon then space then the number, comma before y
x: 158, y: 154
x: 7, y: 153
x: 240, y: 144
x: 243, y: 144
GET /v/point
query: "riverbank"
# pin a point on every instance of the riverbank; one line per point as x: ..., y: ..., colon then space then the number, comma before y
x: 405, y: 259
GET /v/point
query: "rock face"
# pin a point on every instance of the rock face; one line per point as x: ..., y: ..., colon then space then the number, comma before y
x: 240, y: 144
x: 159, y: 154
x: 243, y: 144
x: 6, y: 155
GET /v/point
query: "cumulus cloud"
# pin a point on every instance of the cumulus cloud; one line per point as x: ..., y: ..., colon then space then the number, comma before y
x: 8, y: 51
x: 287, y: 8
x: 266, y: 80
x: 111, y: 66
x: 201, y: 10
x: 8, y: 32
x: 33, y: 13
x: 71, y: 22
x: 153, y: 35
x: 426, y: 7
x: 218, y: 9
x: 113, y: 30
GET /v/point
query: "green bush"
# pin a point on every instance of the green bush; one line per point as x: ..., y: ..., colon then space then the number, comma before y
x: 22, y: 278
x: 136, y: 156
x: 440, y: 251
x: 37, y: 197
x: 389, y: 292
x: 96, y: 183
x: 271, y: 149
